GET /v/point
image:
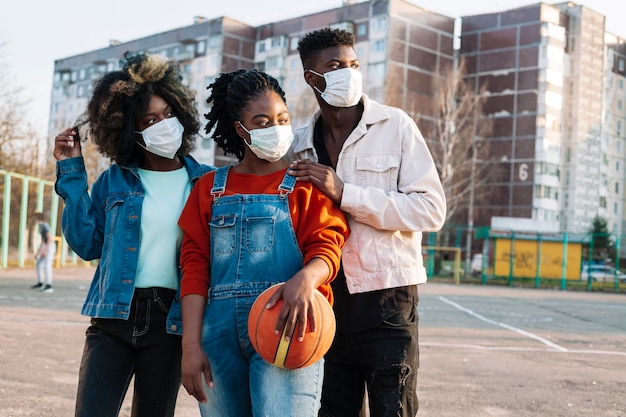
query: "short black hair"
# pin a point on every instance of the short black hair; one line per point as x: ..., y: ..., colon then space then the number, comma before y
x: 230, y: 94
x: 312, y: 43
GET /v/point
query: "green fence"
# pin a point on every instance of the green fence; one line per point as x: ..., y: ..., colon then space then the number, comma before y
x: 532, y: 259
x: 21, y: 196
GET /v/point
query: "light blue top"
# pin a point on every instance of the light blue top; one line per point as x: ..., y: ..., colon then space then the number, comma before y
x: 166, y: 193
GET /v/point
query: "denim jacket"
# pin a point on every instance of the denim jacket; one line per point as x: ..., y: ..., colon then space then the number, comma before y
x: 106, y: 225
x: 392, y: 193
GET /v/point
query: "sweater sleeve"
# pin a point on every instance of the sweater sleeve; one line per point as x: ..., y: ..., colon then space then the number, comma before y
x: 195, y: 248
x: 321, y: 228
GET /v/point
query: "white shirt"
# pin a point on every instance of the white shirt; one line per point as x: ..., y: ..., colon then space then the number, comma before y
x: 392, y: 193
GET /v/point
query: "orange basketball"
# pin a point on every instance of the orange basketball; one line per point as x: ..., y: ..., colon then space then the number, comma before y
x: 290, y: 354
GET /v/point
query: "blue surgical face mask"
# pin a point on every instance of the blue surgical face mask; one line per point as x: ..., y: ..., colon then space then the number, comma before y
x: 270, y: 143
x: 163, y: 138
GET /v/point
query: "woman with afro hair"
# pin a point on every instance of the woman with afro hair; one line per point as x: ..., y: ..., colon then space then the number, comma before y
x: 143, y: 118
x: 248, y: 227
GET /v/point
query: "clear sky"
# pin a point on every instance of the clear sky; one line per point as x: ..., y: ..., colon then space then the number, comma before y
x: 38, y: 32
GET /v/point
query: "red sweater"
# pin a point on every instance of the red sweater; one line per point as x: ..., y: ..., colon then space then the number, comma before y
x: 320, y: 226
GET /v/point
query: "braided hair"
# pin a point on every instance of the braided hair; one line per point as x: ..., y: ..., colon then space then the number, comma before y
x: 230, y: 94
x: 312, y: 43
x: 119, y: 97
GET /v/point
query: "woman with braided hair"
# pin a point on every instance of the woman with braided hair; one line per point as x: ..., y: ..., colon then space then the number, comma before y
x: 248, y: 227
x: 143, y: 118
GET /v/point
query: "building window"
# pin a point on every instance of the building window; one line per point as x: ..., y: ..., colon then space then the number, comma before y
x: 272, y: 62
x: 214, y: 42
x: 617, y: 188
x: 277, y: 41
x: 378, y: 46
x: 361, y: 30
x: 620, y: 84
x: 620, y: 65
x: 379, y: 24
x: 293, y: 44
x: 201, y: 47
x: 262, y: 47
x: 619, y: 104
x: 619, y: 128
x: 602, y: 202
x: 543, y: 191
x: 615, y: 208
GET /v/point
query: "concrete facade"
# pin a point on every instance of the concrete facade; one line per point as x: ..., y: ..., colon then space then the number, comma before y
x: 554, y: 91
x: 545, y: 70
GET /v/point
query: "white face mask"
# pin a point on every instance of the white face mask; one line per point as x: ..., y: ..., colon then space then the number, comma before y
x: 344, y: 87
x: 270, y: 143
x: 163, y: 138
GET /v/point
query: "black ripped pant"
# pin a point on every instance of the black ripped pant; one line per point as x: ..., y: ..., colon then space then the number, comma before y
x: 386, y: 358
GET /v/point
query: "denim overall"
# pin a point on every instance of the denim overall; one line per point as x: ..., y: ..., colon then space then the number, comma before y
x: 253, y: 247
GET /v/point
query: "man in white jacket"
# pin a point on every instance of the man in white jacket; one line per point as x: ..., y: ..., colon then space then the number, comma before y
x: 372, y: 160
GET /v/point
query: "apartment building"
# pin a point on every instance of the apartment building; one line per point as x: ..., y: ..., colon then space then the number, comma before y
x: 401, y: 47
x: 614, y: 134
x: 554, y: 91
x: 544, y: 69
x: 204, y: 49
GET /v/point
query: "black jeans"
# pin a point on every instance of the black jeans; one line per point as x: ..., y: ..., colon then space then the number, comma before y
x: 116, y: 350
x: 386, y: 358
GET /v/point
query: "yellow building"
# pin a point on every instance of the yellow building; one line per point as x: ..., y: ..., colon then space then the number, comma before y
x: 537, y: 256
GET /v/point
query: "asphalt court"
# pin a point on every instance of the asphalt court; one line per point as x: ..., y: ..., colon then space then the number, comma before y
x: 501, y: 351
x: 484, y: 350
x: 544, y: 320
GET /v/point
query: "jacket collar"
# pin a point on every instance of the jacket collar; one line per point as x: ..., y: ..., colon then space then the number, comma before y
x: 373, y: 112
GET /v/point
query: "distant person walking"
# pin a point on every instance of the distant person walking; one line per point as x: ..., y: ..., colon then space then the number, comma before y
x: 44, y: 256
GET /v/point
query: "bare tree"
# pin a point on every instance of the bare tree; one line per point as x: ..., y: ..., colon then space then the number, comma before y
x: 19, y: 146
x: 21, y: 151
x: 456, y: 141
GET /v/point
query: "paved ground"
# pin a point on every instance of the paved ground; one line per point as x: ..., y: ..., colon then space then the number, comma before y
x: 485, y: 351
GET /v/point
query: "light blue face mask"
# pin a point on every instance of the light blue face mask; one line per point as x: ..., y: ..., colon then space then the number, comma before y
x: 270, y: 143
x: 163, y: 138
x: 344, y: 87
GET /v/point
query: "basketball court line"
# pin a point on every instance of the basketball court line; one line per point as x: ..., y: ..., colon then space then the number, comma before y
x: 503, y: 325
x: 520, y: 349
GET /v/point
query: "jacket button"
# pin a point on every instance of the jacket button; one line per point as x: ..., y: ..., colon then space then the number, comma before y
x: 174, y: 327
